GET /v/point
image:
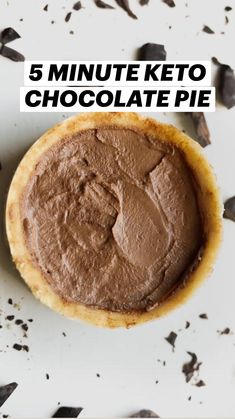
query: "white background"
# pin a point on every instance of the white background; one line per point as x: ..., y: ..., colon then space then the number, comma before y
x: 127, y: 360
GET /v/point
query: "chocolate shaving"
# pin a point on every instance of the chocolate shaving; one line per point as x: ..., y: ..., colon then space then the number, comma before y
x: 67, y: 412
x: 45, y: 8
x: 152, y: 52
x: 124, y: 4
x: 8, y: 35
x: 201, y: 128
x: 203, y: 316
x: 68, y: 16
x: 229, y: 209
x: 226, y: 85
x: 171, y: 339
x: 6, y: 391
x: 144, y: 413
x: 226, y: 20
x: 187, y: 325
x: 11, y: 54
x: 103, y: 5
x: 144, y: 2
x: 206, y: 29
x: 228, y: 9
x: 189, y: 368
x: 77, y: 5
x: 169, y: 3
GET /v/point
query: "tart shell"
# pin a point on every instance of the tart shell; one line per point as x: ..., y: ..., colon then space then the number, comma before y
x: 208, y: 199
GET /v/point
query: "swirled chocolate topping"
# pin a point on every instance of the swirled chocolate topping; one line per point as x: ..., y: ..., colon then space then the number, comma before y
x: 111, y: 219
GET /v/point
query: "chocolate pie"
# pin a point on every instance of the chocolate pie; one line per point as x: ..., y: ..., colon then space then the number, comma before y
x: 113, y: 218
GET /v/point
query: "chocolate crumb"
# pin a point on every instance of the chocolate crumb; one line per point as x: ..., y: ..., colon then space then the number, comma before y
x: 190, y: 398
x: 67, y: 412
x: 203, y: 316
x: 98, y: 375
x: 145, y: 413
x: 229, y: 209
x: 68, y: 16
x: 17, y: 347
x: 71, y: 32
x: 30, y: 320
x: 226, y: 331
x: 25, y: 327
x: 77, y: 5
x: 151, y: 52
x: 187, y: 325
x: 189, y: 368
x: 200, y: 383
x: 102, y: 5
x: 206, y: 29
x: 228, y: 8
x: 6, y: 391
x: 226, y: 20
x: 10, y: 318
x: 169, y: 3
x: 9, y: 299
x: 144, y: 2
x: 171, y: 338
x: 18, y: 322
x: 201, y: 128
x: 47, y: 376
x: 25, y: 348
x: 45, y: 8
x: 226, y: 85
x: 124, y: 4
x: 64, y: 334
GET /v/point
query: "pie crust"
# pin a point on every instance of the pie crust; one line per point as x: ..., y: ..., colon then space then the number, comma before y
x: 208, y: 199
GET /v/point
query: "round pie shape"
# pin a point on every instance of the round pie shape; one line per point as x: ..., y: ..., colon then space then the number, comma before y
x: 113, y: 218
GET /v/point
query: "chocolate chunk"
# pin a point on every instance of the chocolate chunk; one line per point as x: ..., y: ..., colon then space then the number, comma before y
x: 25, y: 348
x: 169, y: 3
x: 6, y: 391
x: 67, y: 412
x: 124, y: 4
x: 171, y: 339
x: 25, y: 327
x: 10, y: 318
x: 201, y: 128
x: 226, y: 86
x: 8, y: 35
x: 47, y: 376
x: 187, y: 325
x: 144, y: 2
x: 68, y: 16
x: 226, y: 331
x: 203, y: 316
x: 18, y: 322
x: 200, y: 383
x: 152, y: 52
x: 45, y: 8
x: 17, y: 347
x: 77, y: 5
x: 11, y: 54
x: 228, y: 9
x: 229, y: 209
x: 206, y: 29
x: 10, y: 301
x: 145, y: 414
x: 103, y: 5
x: 189, y: 368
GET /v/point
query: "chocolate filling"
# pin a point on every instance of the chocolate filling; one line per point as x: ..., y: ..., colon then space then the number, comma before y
x: 111, y: 219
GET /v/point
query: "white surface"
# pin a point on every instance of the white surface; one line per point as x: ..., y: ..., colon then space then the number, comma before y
x: 127, y: 360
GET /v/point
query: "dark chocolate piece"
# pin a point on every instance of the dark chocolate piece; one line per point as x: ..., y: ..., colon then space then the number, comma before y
x: 187, y: 325
x: 229, y: 209
x: 10, y: 318
x: 169, y: 3
x: 226, y: 20
x: 201, y: 128
x: 203, y: 316
x: 145, y: 413
x: 18, y: 322
x: 10, y: 301
x: 226, y: 331
x: 189, y: 368
x: 200, y: 383
x: 171, y: 339
x: 45, y: 8
x: 25, y: 348
x: 6, y: 391
x: 102, y: 5
x: 47, y: 376
x: 144, y: 2
x: 67, y: 412
x: 8, y: 35
x: 206, y: 29
x: 17, y: 347
x: 25, y: 327
x: 11, y: 54
x: 228, y: 9
x: 77, y: 5
x: 124, y: 4
x: 68, y: 16
x: 226, y: 86
x: 152, y: 52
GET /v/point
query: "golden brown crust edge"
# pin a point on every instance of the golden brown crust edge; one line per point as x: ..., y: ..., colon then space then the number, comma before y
x: 209, y: 201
